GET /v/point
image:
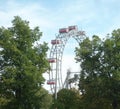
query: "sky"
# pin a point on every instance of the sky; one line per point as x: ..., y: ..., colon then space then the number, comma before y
x: 95, y: 17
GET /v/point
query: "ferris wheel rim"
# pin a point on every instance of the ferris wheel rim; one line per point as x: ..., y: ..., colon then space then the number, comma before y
x: 56, y: 52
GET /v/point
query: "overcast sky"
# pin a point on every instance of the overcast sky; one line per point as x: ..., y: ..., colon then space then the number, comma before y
x: 94, y: 16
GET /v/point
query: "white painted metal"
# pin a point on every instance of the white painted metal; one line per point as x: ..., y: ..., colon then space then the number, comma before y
x: 56, y: 52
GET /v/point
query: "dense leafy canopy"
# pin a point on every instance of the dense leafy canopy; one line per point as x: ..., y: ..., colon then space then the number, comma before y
x: 68, y: 99
x: 21, y: 66
x: 100, y: 71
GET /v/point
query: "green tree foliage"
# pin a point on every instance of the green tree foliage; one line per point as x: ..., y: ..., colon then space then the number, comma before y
x: 46, y: 101
x: 21, y: 66
x: 100, y: 75
x: 68, y: 99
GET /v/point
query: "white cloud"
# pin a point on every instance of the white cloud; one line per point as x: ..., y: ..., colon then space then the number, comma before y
x: 35, y: 13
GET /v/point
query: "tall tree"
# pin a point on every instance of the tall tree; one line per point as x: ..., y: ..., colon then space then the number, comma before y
x: 100, y: 75
x: 21, y: 66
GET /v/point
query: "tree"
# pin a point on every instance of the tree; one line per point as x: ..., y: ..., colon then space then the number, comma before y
x: 68, y: 99
x: 21, y: 66
x: 100, y: 75
x: 47, y: 99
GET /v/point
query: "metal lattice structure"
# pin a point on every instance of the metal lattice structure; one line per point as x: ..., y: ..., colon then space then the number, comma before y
x: 56, y: 54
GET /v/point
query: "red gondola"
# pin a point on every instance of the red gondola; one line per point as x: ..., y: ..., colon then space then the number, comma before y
x: 56, y: 42
x: 51, y: 60
x: 51, y: 82
x: 72, y: 28
x: 63, y: 30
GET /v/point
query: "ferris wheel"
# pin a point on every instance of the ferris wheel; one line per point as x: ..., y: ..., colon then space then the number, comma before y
x: 56, y: 53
